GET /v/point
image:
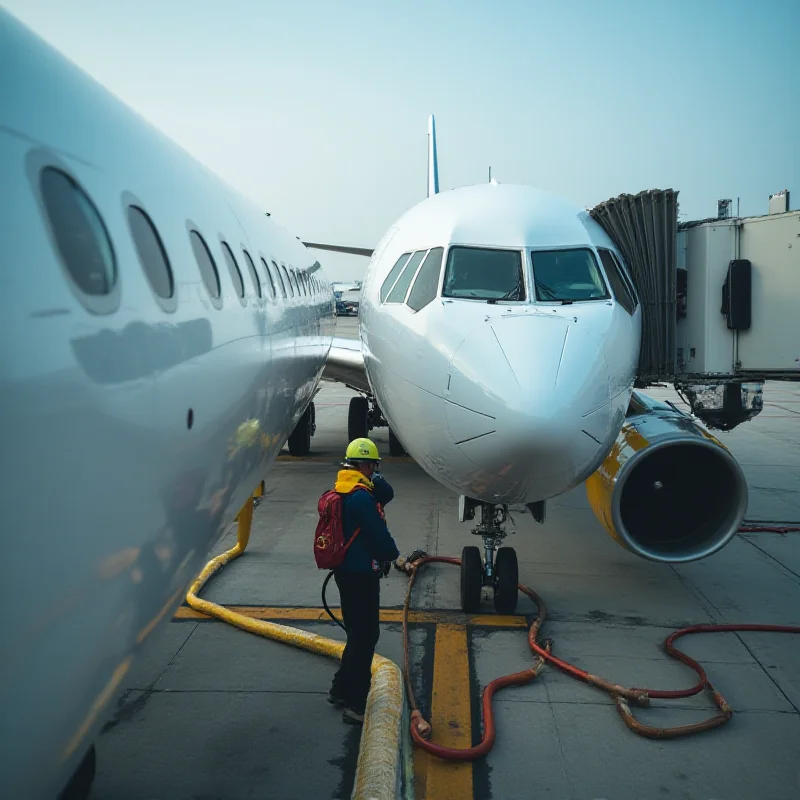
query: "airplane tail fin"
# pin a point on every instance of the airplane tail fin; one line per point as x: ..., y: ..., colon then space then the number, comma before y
x: 433, y: 161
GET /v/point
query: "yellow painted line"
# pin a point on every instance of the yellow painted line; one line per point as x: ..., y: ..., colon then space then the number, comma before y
x: 334, y: 459
x: 451, y: 719
x: 387, y: 615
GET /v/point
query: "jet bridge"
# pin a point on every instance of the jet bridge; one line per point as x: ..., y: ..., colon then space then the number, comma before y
x: 720, y: 299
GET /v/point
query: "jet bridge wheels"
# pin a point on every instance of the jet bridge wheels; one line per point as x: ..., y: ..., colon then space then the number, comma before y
x: 504, y: 580
x: 358, y: 418
x: 300, y: 438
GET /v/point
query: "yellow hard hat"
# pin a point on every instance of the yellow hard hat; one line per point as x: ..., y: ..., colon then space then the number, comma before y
x: 362, y: 450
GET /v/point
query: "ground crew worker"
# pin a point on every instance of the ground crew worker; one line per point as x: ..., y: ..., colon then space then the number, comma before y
x: 368, y: 558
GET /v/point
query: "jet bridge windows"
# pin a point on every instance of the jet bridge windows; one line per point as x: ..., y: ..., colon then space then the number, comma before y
x: 617, y: 278
x: 398, y: 293
x: 427, y: 281
x: 567, y: 276
x: 392, y: 276
x: 479, y: 273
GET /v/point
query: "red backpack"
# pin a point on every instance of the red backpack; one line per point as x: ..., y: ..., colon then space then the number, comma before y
x: 330, y: 547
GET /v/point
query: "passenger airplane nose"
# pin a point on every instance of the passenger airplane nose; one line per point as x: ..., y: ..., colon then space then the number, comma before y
x: 526, y: 395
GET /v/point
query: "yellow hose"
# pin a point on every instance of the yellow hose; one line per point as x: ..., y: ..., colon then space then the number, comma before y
x: 377, y: 770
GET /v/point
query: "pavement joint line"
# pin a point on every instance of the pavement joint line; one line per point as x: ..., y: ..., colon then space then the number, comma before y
x: 772, y: 557
x: 313, y: 614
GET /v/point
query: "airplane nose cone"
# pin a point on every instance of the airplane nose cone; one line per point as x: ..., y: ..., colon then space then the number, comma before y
x: 526, y: 395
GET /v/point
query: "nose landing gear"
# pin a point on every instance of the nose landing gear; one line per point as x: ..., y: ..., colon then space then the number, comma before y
x: 500, y: 571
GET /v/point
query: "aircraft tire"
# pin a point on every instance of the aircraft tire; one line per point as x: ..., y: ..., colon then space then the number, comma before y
x: 395, y: 446
x: 80, y: 784
x: 471, y: 579
x: 506, y: 572
x: 300, y: 438
x: 358, y: 418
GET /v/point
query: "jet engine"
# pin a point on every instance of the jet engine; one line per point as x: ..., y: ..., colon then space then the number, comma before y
x: 668, y: 490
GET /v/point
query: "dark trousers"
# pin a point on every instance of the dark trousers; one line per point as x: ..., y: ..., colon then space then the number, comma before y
x: 360, y: 598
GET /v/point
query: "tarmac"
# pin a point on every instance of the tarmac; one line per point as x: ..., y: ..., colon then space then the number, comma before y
x: 212, y: 713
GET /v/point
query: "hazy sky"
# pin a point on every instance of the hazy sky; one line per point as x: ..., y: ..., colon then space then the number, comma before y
x: 318, y: 110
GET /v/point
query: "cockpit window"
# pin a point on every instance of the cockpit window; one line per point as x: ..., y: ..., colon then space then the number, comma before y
x: 392, y: 276
x: 616, y: 277
x: 567, y: 276
x: 398, y: 293
x: 478, y: 273
x: 427, y: 282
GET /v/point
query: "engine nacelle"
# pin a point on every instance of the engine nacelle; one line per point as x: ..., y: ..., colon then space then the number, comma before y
x: 668, y: 490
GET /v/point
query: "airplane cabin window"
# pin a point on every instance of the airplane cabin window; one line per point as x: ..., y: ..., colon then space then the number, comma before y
x: 151, y: 252
x: 79, y: 232
x: 424, y: 289
x: 208, y: 269
x: 392, y: 276
x: 398, y: 293
x: 478, y: 273
x: 567, y: 276
x: 280, y: 278
x: 233, y: 267
x: 270, y: 280
x: 619, y: 286
x: 288, y: 279
x: 253, y: 274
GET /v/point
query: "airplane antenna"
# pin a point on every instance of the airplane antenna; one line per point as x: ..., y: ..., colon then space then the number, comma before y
x: 490, y: 174
x: 433, y: 162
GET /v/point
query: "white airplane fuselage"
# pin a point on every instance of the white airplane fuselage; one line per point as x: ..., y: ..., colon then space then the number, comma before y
x: 506, y: 401
x: 137, y: 418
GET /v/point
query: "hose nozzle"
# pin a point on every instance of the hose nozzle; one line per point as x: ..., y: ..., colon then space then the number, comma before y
x: 422, y: 727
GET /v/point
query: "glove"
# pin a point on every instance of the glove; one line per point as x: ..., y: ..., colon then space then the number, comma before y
x: 385, y: 567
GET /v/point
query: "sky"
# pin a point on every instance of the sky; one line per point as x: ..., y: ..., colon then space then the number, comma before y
x: 318, y: 110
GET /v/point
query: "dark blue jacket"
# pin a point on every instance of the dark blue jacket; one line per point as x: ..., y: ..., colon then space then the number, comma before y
x: 374, y: 543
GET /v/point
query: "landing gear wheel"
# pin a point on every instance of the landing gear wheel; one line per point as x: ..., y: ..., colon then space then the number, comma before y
x: 80, y: 784
x: 300, y: 438
x: 471, y: 579
x: 395, y: 447
x: 358, y: 418
x: 506, y: 578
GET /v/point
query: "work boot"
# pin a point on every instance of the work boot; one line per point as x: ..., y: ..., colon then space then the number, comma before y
x: 353, y: 717
x: 335, y: 699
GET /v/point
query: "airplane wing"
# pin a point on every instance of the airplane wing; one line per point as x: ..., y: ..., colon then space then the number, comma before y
x: 338, y: 248
x: 346, y: 365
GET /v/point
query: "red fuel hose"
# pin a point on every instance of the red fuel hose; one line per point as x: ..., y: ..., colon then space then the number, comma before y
x: 623, y: 697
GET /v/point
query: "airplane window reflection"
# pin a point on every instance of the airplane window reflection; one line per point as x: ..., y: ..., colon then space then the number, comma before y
x: 567, y: 275
x: 481, y: 274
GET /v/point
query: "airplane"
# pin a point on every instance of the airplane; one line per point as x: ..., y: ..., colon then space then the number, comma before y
x: 162, y: 339
x: 499, y: 338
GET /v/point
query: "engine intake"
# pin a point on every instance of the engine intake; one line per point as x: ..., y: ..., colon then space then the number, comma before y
x: 668, y: 490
